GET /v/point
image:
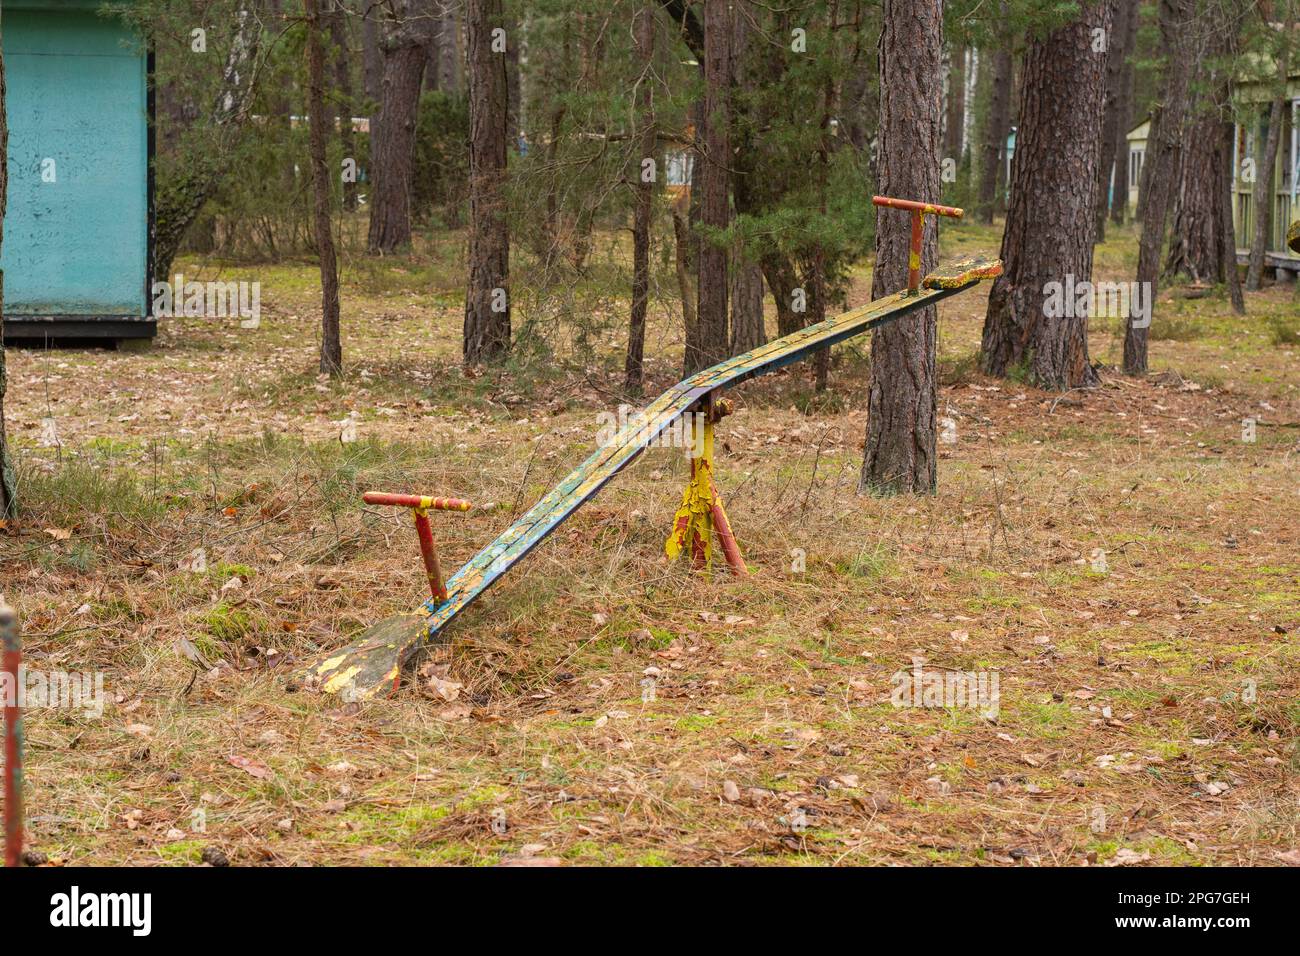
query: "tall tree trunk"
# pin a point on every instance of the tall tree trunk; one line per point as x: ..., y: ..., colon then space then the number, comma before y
x: 1030, y: 322
x: 900, y: 444
x: 8, y: 501
x: 955, y: 117
x: 1228, y: 237
x: 487, y: 302
x: 1117, y: 54
x: 818, y: 278
x: 514, y: 85
x: 747, y: 331
x: 682, y: 262
x: 547, y: 244
x: 1262, y: 197
x: 1123, y: 106
x: 746, y: 277
x: 281, y: 105
x: 1196, y: 232
x: 343, y: 96
x: 815, y: 281
x: 708, y: 344
x: 997, y: 126
x: 856, y: 106
x: 1144, y: 177
x: 451, y: 53
x: 372, y: 59
x: 1201, y: 233
x: 331, y: 348
x: 433, y: 55
x: 782, y: 280
x: 392, y: 161
x: 633, y: 367
x: 1163, y: 158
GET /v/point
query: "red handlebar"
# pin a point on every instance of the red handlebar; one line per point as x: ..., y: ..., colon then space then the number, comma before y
x: 416, y: 501
x: 912, y: 205
x: 918, y: 210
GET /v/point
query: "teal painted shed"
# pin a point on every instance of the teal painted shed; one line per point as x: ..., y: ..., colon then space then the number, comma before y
x: 78, y: 223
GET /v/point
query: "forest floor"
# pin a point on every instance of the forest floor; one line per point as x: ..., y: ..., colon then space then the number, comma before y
x: 1123, y: 561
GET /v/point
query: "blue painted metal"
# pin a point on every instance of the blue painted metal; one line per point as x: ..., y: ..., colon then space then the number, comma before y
x: 372, y: 664
x: 76, y: 227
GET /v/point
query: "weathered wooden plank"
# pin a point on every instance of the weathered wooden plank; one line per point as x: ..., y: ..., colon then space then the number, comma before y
x: 372, y: 664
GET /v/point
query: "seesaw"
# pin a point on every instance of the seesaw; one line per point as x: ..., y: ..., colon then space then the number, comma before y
x: 372, y: 664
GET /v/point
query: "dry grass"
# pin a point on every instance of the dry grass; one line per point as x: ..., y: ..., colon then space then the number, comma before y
x: 1127, y: 728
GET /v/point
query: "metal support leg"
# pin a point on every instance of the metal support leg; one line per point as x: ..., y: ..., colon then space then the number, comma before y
x: 701, y: 512
x: 12, y: 675
x: 420, y: 506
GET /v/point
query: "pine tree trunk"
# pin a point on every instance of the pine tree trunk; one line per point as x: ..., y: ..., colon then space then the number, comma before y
x: 549, y: 249
x: 782, y: 280
x: 817, y: 281
x: 392, y: 161
x: 1163, y: 159
x: 487, y: 304
x: 1195, y: 236
x: 747, y: 331
x: 708, y: 345
x: 1123, y: 109
x: 1228, y: 237
x: 633, y: 367
x: 682, y: 263
x: 435, y: 69
x: 900, y: 441
x: 343, y: 96
x: 450, y: 50
x: 372, y: 59
x: 1049, y: 232
x: 8, y: 501
x: 997, y: 126
x: 331, y: 348
x: 955, y: 118
x: 514, y: 84
x: 1144, y: 178
x: 746, y: 277
x: 1117, y: 54
x: 1202, y: 242
x: 1262, y: 198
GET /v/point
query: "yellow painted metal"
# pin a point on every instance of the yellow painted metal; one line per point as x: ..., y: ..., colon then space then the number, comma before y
x: 694, y: 519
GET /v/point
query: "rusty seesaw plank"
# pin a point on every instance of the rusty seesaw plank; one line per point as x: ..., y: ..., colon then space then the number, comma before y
x: 372, y: 663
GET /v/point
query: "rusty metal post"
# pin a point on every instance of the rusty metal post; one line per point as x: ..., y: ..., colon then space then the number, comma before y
x: 701, y: 513
x: 429, y: 553
x: 11, y: 640
x: 730, y: 549
x: 914, y: 254
x: 420, y: 506
x: 917, y: 209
